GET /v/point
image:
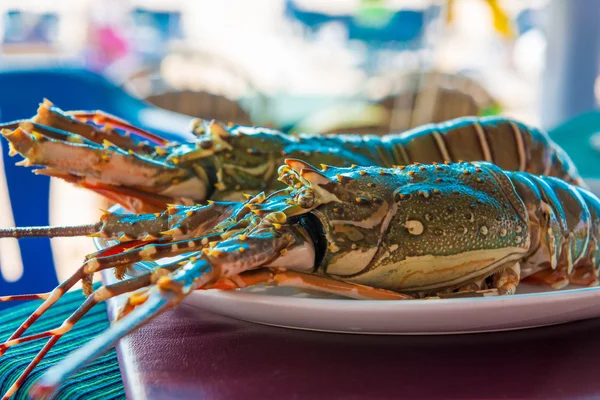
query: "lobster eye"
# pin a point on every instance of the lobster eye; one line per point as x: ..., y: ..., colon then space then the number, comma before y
x: 314, y: 228
x: 306, y: 198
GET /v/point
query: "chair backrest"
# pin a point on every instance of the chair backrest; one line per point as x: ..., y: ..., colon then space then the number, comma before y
x: 579, y: 138
x: 28, y: 194
x: 202, y: 104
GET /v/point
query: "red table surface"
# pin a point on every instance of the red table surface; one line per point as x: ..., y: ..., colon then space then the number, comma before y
x: 188, y: 353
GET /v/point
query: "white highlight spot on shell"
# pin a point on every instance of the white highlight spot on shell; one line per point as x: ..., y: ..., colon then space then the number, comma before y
x: 502, y: 232
x: 414, y: 227
x: 518, y: 239
x: 483, y: 230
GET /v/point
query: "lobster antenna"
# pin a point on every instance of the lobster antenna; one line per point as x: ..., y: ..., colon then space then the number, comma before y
x: 50, y: 231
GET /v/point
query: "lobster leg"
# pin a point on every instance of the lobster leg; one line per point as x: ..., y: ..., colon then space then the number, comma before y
x: 101, y: 294
x: 25, y: 297
x: 559, y: 278
x: 100, y: 168
x: 132, y: 199
x: 167, y: 293
x: 268, y: 242
x: 507, y: 280
x: 504, y: 282
x: 245, y: 279
x: 151, y: 251
x: 333, y: 286
x: 176, y: 223
x: 101, y: 118
x: 556, y: 279
x: 465, y: 294
x: 94, y: 161
x: 39, y: 130
x: 584, y: 276
x: 52, y: 116
x: 305, y: 281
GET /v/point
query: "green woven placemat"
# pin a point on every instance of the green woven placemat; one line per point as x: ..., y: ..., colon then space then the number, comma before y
x: 101, y: 379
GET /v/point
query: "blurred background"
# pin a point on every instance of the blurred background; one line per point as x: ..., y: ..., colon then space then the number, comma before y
x: 364, y: 66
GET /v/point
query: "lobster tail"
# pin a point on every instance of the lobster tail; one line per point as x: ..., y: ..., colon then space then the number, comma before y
x: 564, y: 224
x: 511, y: 145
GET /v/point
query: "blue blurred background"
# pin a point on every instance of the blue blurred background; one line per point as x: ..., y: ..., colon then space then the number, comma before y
x: 330, y: 66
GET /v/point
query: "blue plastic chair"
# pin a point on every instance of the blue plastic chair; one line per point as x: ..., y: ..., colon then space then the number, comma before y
x: 69, y: 89
x: 574, y: 137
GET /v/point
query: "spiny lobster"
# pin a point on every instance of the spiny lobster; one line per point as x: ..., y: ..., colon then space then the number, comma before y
x: 404, y: 233
x: 222, y: 163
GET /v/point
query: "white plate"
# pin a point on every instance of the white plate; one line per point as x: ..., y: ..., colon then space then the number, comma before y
x: 403, y: 317
x: 532, y: 306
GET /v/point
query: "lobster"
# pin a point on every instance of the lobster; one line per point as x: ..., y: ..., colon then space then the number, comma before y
x: 223, y: 163
x: 423, y: 231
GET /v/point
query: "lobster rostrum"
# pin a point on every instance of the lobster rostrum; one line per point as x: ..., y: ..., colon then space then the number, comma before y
x: 222, y: 162
x: 405, y: 233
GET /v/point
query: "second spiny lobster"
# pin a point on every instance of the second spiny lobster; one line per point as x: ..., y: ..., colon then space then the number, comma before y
x: 90, y: 149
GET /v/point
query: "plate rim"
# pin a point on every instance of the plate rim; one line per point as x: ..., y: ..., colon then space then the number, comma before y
x: 542, y: 296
